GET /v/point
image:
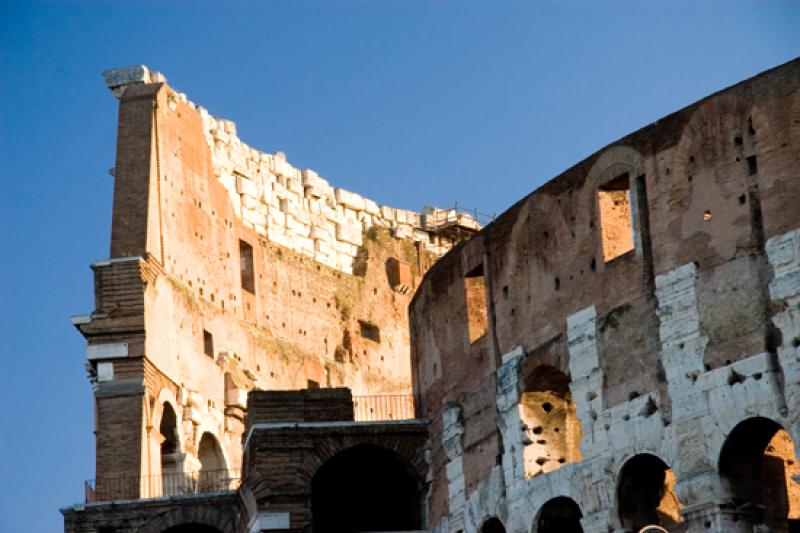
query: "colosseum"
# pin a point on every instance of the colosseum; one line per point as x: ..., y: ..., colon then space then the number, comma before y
x: 617, y: 352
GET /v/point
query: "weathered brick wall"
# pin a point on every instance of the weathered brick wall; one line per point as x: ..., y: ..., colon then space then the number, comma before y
x: 281, y: 462
x: 709, y: 187
x: 232, y: 270
x: 311, y: 405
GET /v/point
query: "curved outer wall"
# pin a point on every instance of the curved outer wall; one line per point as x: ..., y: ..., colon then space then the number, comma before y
x: 649, y: 340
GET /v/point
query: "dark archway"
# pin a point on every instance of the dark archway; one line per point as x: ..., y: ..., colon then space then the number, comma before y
x: 757, y: 463
x: 646, y: 494
x: 365, y: 488
x: 172, y: 479
x: 493, y: 525
x: 192, y: 528
x: 560, y: 515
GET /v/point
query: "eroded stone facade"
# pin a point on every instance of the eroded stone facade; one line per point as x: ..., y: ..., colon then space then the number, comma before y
x: 619, y: 349
x: 232, y: 270
x: 641, y: 306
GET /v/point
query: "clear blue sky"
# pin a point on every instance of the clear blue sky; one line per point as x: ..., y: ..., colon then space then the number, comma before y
x: 408, y: 103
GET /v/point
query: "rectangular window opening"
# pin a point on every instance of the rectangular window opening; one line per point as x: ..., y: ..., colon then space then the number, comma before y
x: 616, y: 217
x: 246, y: 267
x: 752, y: 165
x: 208, y: 343
x: 475, y: 295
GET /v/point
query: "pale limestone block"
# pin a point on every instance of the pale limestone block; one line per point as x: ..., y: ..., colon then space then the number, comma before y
x: 320, y: 257
x: 452, y: 430
x: 345, y: 250
x: 403, y: 231
x: 250, y: 202
x: 783, y: 250
x: 280, y: 190
x: 303, y: 216
x: 581, y: 335
x: 294, y: 185
x: 388, y: 213
x: 420, y: 236
x: 349, y: 199
x: 349, y: 233
x: 307, y: 246
x: 291, y: 222
x: 371, y: 207
x: 282, y: 168
x: 320, y: 233
x: 323, y: 247
x: 348, y: 216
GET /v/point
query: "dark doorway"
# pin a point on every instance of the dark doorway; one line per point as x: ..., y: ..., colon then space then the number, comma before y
x: 493, y: 525
x: 757, y: 463
x: 560, y: 515
x: 646, y: 495
x: 365, y: 488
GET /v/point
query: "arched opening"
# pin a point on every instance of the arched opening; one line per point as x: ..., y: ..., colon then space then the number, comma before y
x: 172, y: 479
x: 192, y: 528
x: 213, y: 474
x: 493, y: 525
x: 757, y: 463
x: 365, y: 488
x: 646, y: 495
x: 559, y: 515
x: 554, y: 431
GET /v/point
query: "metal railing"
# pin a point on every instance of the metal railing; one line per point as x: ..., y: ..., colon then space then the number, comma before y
x: 167, y: 484
x: 383, y: 407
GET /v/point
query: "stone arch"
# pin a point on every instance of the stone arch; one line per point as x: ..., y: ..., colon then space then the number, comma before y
x: 615, y: 161
x: 204, y: 516
x: 173, y: 480
x: 561, y: 514
x: 756, y: 465
x: 492, y: 524
x: 548, y: 411
x: 366, y: 488
x: 645, y: 493
x: 710, y: 175
x: 213, y: 474
x: 326, y: 448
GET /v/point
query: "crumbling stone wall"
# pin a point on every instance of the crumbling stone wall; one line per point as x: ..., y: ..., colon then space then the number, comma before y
x: 231, y: 270
x: 671, y: 335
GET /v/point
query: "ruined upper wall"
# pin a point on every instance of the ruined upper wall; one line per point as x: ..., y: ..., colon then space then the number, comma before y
x: 292, y: 207
x: 230, y: 270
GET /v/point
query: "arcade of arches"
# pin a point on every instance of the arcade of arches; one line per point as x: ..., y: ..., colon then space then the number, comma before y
x: 757, y: 466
